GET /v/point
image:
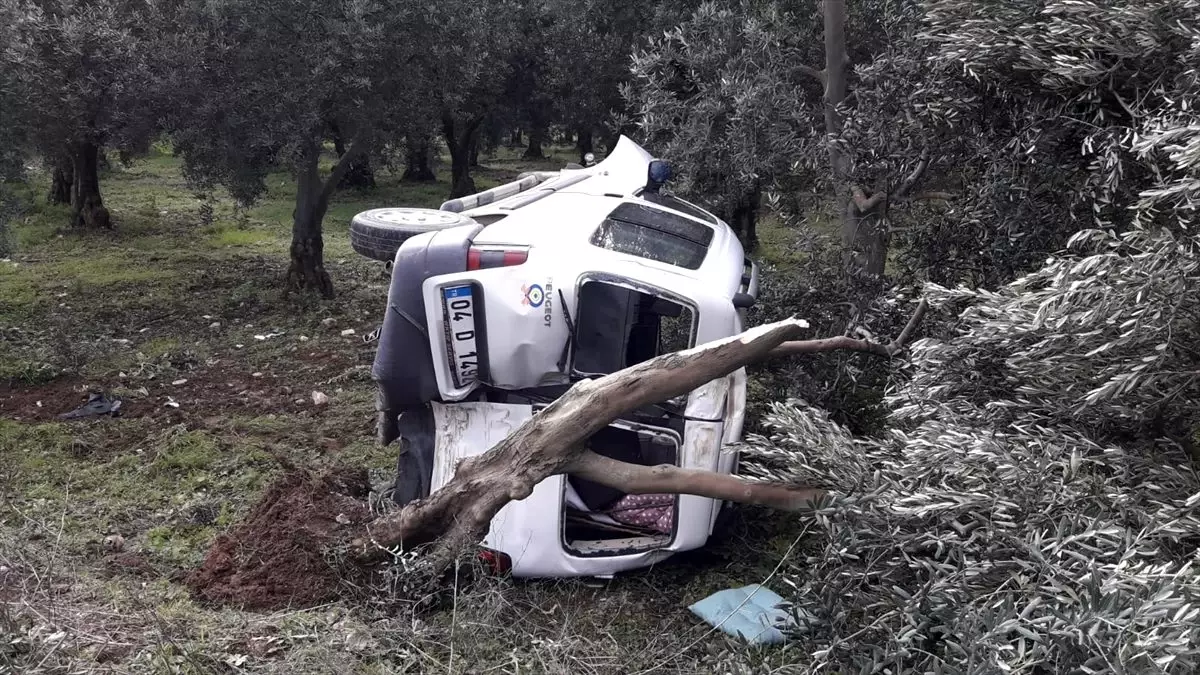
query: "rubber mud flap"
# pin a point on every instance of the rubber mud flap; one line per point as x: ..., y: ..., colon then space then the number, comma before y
x: 414, y: 467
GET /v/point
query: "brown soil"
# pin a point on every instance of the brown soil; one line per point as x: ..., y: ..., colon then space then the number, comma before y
x: 277, y: 556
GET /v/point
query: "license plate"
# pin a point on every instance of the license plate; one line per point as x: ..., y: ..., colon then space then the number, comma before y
x: 458, y: 307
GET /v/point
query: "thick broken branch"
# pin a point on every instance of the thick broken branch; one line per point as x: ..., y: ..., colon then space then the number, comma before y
x: 843, y: 343
x: 636, y: 479
x: 551, y: 441
x: 554, y: 442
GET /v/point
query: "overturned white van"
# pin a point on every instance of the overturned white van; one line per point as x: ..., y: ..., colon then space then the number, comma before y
x: 501, y: 300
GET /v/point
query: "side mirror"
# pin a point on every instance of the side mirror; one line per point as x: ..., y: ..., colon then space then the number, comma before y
x: 743, y: 300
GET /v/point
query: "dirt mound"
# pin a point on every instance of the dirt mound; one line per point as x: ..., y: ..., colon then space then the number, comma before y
x: 277, y: 556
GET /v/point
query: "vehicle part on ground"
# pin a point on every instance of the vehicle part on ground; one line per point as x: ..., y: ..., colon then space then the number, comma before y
x: 97, y: 404
x: 754, y: 613
x: 378, y: 233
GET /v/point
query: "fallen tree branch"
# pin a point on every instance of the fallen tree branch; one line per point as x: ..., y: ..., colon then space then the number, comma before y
x: 636, y: 479
x: 553, y: 442
x: 843, y: 343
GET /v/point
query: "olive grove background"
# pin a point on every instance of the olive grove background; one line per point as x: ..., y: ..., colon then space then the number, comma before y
x: 1019, y: 493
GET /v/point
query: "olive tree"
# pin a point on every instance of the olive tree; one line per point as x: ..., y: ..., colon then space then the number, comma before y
x: 80, y: 72
x: 255, y: 93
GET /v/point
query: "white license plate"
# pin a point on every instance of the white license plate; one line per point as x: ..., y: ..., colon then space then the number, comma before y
x: 458, y: 306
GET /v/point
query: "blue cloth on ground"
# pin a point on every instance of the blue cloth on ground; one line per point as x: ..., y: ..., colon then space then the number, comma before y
x: 750, y: 612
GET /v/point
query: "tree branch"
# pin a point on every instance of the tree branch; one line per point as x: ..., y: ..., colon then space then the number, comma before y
x: 932, y: 196
x: 911, y: 179
x: 636, y: 479
x: 818, y: 75
x: 554, y: 442
x: 843, y: 343
x: 356, y: 149
x: 866, y: 204
x: 551, y: 441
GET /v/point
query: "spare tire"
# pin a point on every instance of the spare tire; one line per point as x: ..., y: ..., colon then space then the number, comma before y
x: 378, y: 233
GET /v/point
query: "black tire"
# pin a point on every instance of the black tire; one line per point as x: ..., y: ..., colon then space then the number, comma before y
x: 378, y: 233
x: 414, y: 466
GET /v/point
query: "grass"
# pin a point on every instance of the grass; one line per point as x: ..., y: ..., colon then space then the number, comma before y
x: 181, y: 315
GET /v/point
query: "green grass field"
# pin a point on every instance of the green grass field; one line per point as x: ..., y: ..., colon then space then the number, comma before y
x: 181, y: 315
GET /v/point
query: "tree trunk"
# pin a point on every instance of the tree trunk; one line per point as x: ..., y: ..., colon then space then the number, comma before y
x: 866, y: 230
x: 515, y: 141
x: 60, y: 182
x: 458, y: 514
x: 583, y: 143
x: 473, y: 153
x: 459, y: 137
x: 307, y: 268
x: 416, y: 159
x: 610, y: 142
x: 360, y: 175
x: 536, y: 139
x: 745, y: 217
x: 86, y: 203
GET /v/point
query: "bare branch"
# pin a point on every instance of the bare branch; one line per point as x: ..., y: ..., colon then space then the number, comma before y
x: 843, y: 343
x: 818, y: 75
x: 667, y: 479
x: 548, y: 443
x: 910, y: 181
x: 866, y: 204
x: 554, y: 442
x: 932, y: 196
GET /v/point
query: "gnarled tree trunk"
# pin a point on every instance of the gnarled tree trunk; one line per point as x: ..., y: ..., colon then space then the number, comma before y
x: 417, y: 164
x: 537, y: 138
x: 60, y: 181
x: 86, y: 203
x: 744, y: 219
x: 307, y: 268
x: 459, y: 137
x: 360, y: 175
x: 457, y: 515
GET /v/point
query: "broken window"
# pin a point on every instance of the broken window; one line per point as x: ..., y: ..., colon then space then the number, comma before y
x: 600, y: 520
x: 618, y: 327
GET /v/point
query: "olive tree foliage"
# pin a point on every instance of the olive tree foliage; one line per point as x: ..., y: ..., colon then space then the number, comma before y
x: 12, y: 123
x: 592, y: 41
x: 1034, y: 507
x: 265, y: 84
x: 79, y: 72
x: 724, y: 97
x: 1076, y: 105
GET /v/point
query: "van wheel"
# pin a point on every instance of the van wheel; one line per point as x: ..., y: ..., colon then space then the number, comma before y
x: 378, y: 233
x: 414, y: 466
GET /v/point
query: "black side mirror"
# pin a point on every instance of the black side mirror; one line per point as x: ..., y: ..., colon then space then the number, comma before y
x: 743, y: 300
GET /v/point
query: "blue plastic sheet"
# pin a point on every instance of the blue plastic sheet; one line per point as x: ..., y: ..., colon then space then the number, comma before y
x: 752, y: 613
